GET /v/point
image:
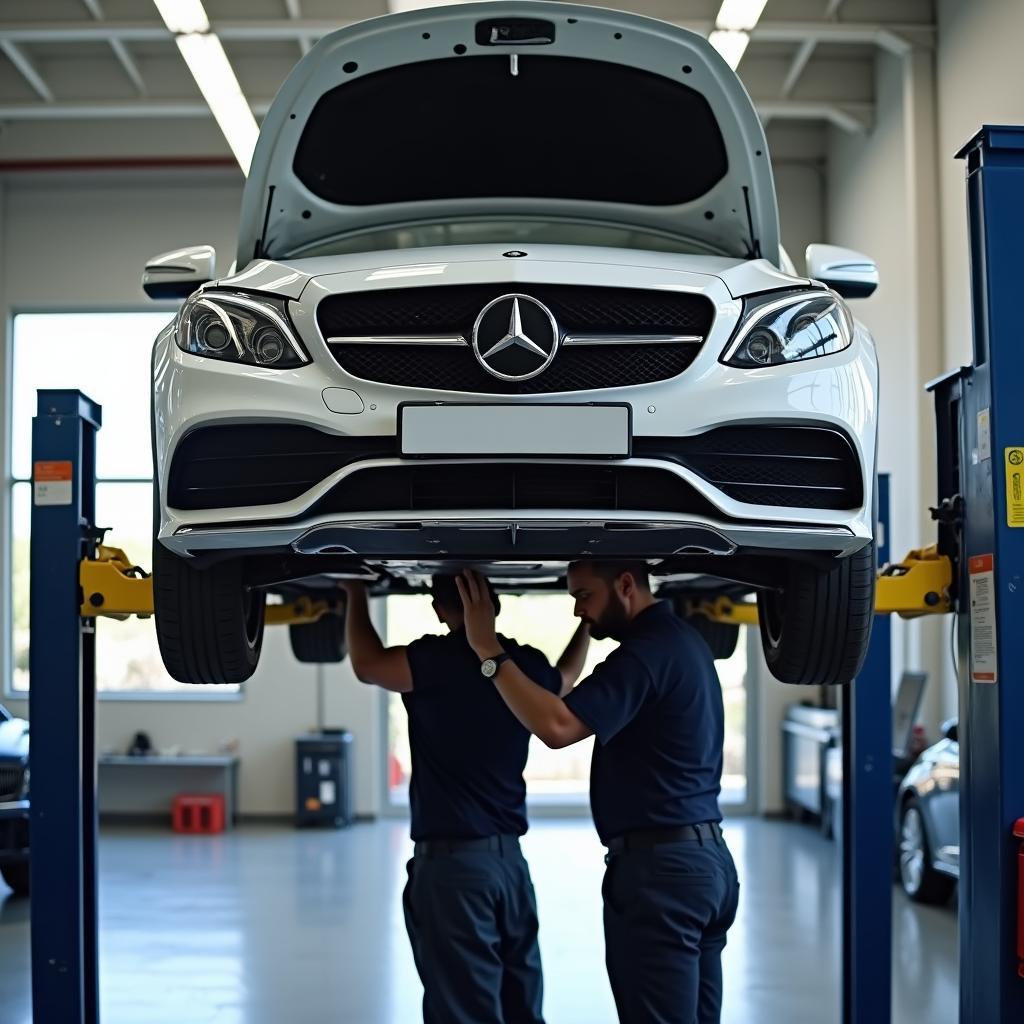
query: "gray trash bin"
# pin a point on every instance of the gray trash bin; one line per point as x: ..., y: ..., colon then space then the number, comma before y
x: 323, y: 779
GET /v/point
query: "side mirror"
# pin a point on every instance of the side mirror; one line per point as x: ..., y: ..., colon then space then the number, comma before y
x: 950, y: 730
x: 852, y: 274
x: 176, y: 275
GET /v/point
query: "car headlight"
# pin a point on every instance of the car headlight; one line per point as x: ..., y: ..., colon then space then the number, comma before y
x: 239, y: 329
x: 783, y: 330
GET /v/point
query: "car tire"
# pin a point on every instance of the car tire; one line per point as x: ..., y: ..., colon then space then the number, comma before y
x: 16, y: 875
x: 918, y: 879
x: 208, y: 622
x: 815, y: 628
x: 721, y: 637
x: 321, y: 642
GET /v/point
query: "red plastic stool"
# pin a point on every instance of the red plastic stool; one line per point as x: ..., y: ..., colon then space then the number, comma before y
x: 198, y: 813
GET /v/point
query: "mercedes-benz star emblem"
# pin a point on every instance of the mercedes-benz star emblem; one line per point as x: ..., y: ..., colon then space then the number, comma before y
x: 515, y: 337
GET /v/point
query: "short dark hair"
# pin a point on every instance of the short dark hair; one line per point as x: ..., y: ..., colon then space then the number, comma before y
x: 611, y: 569
x: 446, y: 594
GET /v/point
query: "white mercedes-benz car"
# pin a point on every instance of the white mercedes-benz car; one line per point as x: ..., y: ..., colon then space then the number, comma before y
x: 509, y: 292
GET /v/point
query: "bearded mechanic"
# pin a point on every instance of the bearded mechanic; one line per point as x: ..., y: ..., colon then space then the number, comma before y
x: 655, y: 707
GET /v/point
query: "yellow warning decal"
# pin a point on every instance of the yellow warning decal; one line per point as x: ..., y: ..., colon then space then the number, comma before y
x: 1014, y: 485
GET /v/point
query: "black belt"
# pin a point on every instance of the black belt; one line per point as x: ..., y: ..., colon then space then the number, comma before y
x: 486, y: 844
x: 645, y: 839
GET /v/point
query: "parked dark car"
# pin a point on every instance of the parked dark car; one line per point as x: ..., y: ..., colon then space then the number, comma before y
x: 928, y: 821
x: 14, y: 805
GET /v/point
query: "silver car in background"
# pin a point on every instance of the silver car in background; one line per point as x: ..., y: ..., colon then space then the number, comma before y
x: 928, y: 821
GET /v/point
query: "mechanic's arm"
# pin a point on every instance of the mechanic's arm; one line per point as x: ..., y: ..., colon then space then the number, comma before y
x: 546, y: 715
x: 372, y: 662
x: 570, y: 664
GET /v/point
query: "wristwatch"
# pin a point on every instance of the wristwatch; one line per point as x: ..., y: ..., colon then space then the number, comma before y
x: 489, y: 666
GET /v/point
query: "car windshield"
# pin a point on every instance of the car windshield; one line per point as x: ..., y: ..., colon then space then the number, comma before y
x: 514, y: 232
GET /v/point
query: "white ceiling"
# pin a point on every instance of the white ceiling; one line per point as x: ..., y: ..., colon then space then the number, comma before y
x: 101, y: 80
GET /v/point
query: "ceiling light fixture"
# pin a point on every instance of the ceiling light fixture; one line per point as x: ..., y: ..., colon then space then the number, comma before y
x: 739, y: 15
x: 202, y: 51
x: 731, y: 45
x: 736, y: 20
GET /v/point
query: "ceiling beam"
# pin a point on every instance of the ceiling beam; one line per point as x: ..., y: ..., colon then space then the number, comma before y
x: 27, y: 70
x: 127, y: 61
x: 796, y: 68
x: 855, y: 118
x: 898, y: 39
x: 895, y: 37
x: 295, y: 13
x: 93, y: 111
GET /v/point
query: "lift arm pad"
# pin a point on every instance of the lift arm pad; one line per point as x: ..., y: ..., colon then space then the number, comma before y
x: 919, y: 585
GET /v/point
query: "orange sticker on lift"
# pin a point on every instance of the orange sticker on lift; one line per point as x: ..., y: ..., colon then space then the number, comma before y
x: 51, y: 483
x: 981, y: 571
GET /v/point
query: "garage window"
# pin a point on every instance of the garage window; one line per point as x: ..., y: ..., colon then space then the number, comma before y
x: 106, y: 355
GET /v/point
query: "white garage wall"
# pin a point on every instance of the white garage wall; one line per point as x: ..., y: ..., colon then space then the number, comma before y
x: 801, y: 189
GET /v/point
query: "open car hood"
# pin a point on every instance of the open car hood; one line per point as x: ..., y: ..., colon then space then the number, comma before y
x: 586, y: 116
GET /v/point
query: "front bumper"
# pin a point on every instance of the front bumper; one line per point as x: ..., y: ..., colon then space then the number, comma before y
x: 836, y: 392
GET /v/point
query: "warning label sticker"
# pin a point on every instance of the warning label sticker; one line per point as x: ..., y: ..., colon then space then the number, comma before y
x: 983, y: 618
x: 51, y: 483
x: 1015, y: 486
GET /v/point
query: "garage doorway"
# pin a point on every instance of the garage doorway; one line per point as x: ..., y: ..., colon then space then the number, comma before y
x: 557, y: 781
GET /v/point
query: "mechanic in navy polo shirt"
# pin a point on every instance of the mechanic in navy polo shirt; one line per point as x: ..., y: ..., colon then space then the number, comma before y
x: 655, y: 705
x: 469, y: 905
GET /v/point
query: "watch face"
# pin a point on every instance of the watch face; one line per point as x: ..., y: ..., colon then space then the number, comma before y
x: 489, y: 667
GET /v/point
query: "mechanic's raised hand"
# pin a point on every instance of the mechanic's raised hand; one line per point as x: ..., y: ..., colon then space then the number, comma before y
x: 352, y: 587
x: 479, y: 614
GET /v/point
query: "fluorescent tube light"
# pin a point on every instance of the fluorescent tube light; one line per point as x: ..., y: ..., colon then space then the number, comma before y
x: 183, y: 16
x: 739, y: 15
x: 212, y: 71
x: 730, y: 45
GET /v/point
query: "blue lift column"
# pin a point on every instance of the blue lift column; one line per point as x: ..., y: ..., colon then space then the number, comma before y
x: 991, y: 606
x: 867, y: 832
x: 62, y: 705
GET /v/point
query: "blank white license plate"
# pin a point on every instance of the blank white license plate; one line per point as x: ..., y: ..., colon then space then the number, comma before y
x: 542, y: 430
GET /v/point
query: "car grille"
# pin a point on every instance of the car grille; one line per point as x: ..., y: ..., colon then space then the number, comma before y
x: 11, y: 778
x: 453, y: 309
x: 794, y: 467
x: 507, y: 487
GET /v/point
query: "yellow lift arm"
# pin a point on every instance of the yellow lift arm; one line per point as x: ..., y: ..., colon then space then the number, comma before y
x: 919, y: 585
x: 115, y: 588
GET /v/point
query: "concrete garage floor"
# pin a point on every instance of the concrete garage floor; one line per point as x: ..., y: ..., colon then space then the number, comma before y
x: 270, y: 925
